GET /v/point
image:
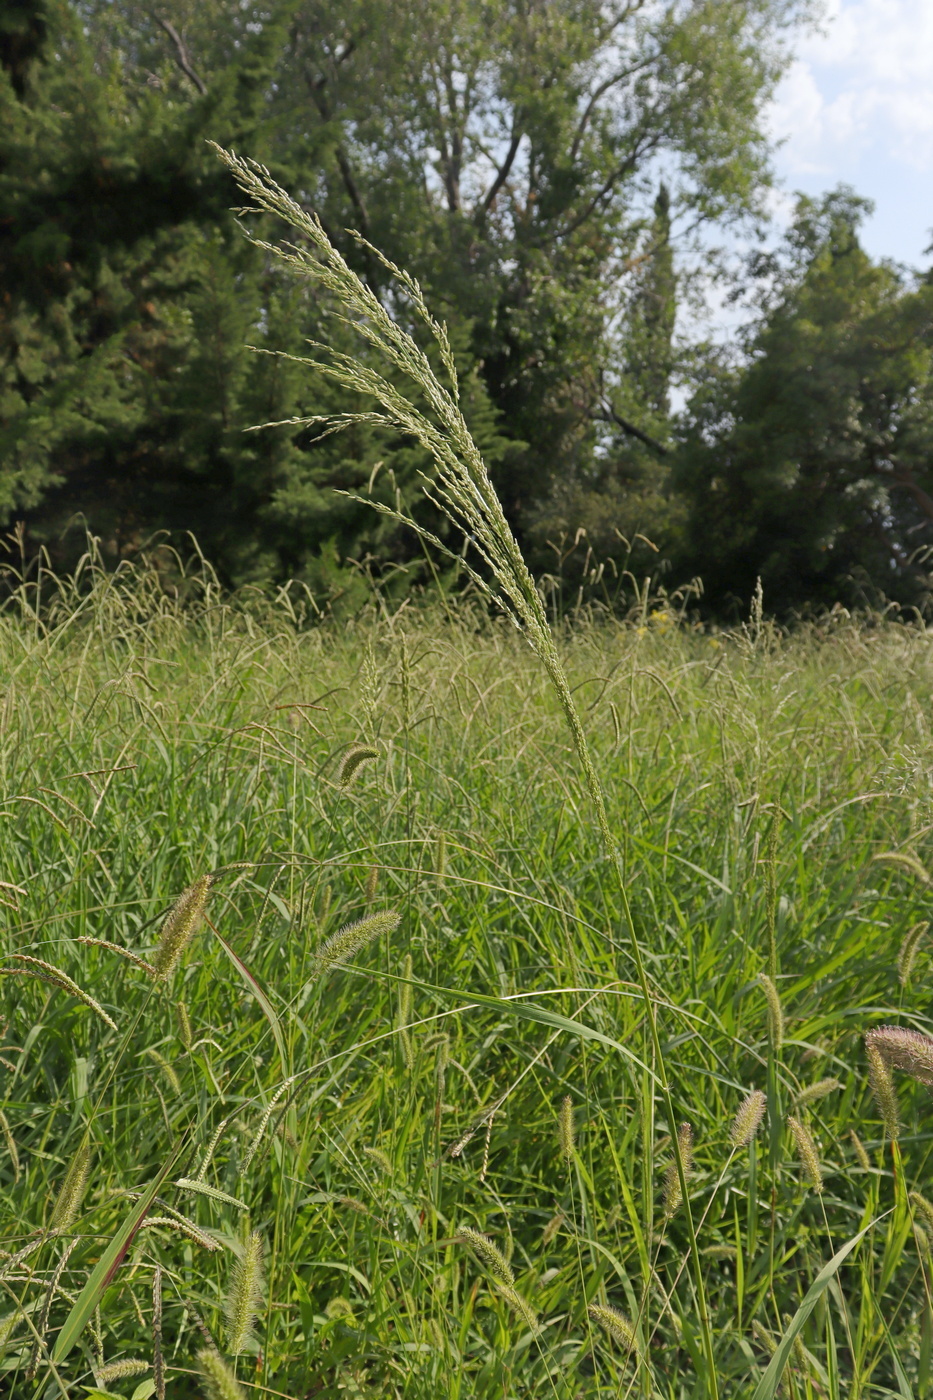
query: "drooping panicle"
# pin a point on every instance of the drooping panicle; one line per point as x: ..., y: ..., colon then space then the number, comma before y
x: 181, y: 924
x: 748, y: 1119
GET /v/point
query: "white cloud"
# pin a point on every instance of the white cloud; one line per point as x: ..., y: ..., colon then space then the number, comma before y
x: 861, y: 88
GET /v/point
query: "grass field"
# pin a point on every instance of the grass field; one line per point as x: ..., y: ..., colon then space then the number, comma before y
x: 356, y: 1119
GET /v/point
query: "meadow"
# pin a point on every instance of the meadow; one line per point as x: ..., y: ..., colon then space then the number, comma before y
x: 430, y: 1157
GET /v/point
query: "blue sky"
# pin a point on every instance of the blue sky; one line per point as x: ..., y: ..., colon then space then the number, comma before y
x: 856, y: 107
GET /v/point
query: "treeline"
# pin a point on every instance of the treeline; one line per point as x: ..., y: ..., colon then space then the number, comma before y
x: 551, y: 172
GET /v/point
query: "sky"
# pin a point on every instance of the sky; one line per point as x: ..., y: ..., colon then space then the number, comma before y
x: 856, y: 108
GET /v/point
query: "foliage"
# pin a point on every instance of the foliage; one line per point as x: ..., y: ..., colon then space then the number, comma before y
x: 810, y: 465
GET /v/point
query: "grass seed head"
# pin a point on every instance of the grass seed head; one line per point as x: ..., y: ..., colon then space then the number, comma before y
x: 353, y: 760
x: 69, y: 1199
x: 748, y: 1120
x: 158, y: 1360
x: 350, y: 939
x: 488, y: 1254
x: 220, y: 1382
x: 519, y: 1305
x: 565, y: 1128
x: 615, y: 1325
x: 372, y: 883
x: 900, y: 1048
x: 673, y: 1195
x: 924, y: 1209
x: 862, y: 1157
x: 907, y: 953
x: 181, y: 924
x: 806, y: 1151
x: 38, y: 967
x: 182, y: 1226
x: 184, y: 1026
x: 775, y: 1013
x: 245, y: 1295
x: 813, y: 1092
x: 882, y: 1088
x: 380, y: 1159
x: 121, y: 1370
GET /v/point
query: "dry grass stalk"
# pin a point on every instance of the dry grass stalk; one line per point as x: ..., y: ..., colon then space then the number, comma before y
x: 245, y: 1295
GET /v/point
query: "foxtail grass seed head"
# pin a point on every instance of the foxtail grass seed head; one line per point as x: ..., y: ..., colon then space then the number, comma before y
x: 372, y: 883
x: 882, y: 1088
x: 71, y: 1194
x: 181, y: 924
x: 748, y: 1120
x: 615, y: 1325
x: 122, y: 1370
x: 220, y: 1382
x: 116, y: 948
x: 860, y: 1154
x: 11, y: 1148
x: 673, y: 1195
x: 352, y: 938
x: 245, y: 1295
x: 167, y: 1069
x: 814, y: 1092
x: 923, y: 1209
x: 380, y: 1159
x: 900, y: 1048
x: 488, y: 1254
x: 519, y: 1305
x: 181, y: 1226
x: 806, y: 1151
x: 906, y: 862
x: 565, y: 1128
x: 775, y: 1013
x: 184, y: 1026
x: 46, y: 972
x: 8, y: 1326
x: 158, y: 1360
x: 353, y: 760
x: 907, y: 953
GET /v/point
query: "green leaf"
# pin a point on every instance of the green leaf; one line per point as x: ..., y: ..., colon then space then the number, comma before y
x: 255, y: 990
x: 767, y: 1387
x: 106, y: 1267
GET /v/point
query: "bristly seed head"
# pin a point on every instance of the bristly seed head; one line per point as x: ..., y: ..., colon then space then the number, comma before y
x: 615, y: 1325
x: 924, y: 1209
x: 120, y: 1370
x: 565, y: 1128
x: 245, y: 1295
x: 181, y: 924
x: 519, y: 1305
x: 353, y: 760
x: 748, y: 1120
x: 221, y: 1383
x: 907, y: 952
x: 806, y: 1151
x: 900, y: 1048
x: 862, y: 1156
x: 673, y: 1195
x: 350, y: 939
x: 184, y: 1026
x: 775, y: 1013
x: 812, y: 1092
x: 882, y: 1088
x: 487, y: 1253
x: 72, y: 1190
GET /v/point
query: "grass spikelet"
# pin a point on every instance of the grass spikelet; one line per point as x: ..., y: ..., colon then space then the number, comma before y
x: 882, y: 1088
x: 924, y: 1209
x: 10, y: 1146
x: 8, y: 1326
x: 350, y: 939
x: 775, y: 1013
x: 167, y: 1069
x: 907, y: 953
x: 615, y: 1325
x: 440, y: 855
x: 69, y: 1199
x: 121, y: 1370
x: 806, y: 1151
x: 404, y: 1013
x: 565, y: 1128
x: 220, y: 1382
x: 673, y: 1194
x: 201, y: 1188
x: 372, y: 883
x: 900, y: 1048
x: 184, y: 1026
x: 180, y: 926
x: 38, y: 967
x: 245, y: 1295
x: 263, y: 1125
x: 748, y: 1119
x: 353, y: 760
x: 211, y: 1149
x: 519, y: 1305
x: 488, y: 1254
x: 380, y: 1159
x: 181, y: 1226
x: 861, y: 1155
x: 134, y: 958
x: 158, y: 1360
x: 813, y: 1092
x: 904, y: 861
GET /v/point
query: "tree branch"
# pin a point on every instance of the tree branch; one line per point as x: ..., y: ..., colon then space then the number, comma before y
x: 181, y: 56
x: 609, y: 415
x: 502, y: 174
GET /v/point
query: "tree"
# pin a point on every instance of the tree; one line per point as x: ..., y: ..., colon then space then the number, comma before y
x: 811, y: 464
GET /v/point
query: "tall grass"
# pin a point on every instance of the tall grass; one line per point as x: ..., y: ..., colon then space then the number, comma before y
x: 400, y: 1008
